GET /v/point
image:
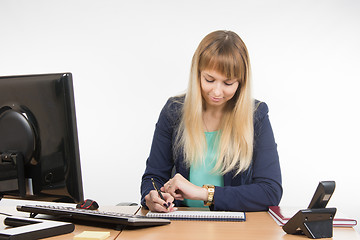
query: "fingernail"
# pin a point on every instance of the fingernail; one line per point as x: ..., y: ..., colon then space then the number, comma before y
x: 165, y: 205
x: 168, y: 204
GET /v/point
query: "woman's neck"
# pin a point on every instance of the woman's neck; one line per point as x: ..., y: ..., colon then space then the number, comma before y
x: 212, y: 119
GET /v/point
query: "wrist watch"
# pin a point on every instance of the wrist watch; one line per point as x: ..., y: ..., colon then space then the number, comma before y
x: 211, y: 191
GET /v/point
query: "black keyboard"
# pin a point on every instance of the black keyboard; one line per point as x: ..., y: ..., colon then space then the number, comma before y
x: 93, y: 215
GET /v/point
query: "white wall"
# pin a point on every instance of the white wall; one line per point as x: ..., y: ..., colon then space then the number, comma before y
x: 128, y: 57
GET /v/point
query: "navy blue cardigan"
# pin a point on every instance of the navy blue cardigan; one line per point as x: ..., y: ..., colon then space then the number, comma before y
x: 255, y: 189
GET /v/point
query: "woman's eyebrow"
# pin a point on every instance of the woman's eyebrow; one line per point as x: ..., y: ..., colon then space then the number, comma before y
x: 230, y: 80
x: 210, y: 76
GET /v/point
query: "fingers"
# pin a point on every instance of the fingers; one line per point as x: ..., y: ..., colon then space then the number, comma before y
x: 173, y: 183
x: 174, y: 187
x: 170, y: 187
x: 180, y: 188
x: 178, y: 196
x: 171, y: 190
x: 169, y: 200
x: 156, y: 204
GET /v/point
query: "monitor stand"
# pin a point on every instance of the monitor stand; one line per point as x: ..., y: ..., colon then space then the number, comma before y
x: 9, y: 161
x: 30, y: 228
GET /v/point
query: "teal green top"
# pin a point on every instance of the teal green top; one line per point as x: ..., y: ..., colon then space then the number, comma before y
x: 203, y: 173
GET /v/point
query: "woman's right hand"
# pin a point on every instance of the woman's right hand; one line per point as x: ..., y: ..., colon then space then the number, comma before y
x: 156, y: 204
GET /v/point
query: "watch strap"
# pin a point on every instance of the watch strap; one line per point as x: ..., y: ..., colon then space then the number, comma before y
x: 211, y: 191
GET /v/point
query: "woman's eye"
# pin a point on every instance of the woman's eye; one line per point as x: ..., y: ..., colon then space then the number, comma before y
x: 208, y: 80
x: 229, y: 84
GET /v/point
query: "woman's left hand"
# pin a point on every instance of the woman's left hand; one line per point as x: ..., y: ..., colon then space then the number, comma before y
x: 180, y: 188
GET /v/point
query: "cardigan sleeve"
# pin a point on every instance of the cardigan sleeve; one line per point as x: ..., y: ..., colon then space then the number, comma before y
x: 160, y: 162
x: 263, y: 189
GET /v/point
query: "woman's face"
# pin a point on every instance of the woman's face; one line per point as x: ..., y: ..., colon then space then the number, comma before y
x: 216, y: 89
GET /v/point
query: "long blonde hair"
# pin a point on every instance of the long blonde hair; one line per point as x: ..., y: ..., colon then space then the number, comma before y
x: 226, y: 53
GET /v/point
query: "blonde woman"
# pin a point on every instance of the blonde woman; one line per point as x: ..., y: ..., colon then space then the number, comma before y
x: 214, y: 146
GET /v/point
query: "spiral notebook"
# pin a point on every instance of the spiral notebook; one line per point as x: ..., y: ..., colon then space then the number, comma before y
x: 200, y: 215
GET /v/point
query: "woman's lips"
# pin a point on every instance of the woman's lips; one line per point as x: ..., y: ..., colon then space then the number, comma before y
x: 215, y: 99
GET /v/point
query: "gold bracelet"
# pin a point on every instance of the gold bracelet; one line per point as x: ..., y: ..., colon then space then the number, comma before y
x: 211, y: 191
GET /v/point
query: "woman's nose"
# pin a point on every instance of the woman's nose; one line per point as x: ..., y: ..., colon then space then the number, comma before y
x: 217, y: 90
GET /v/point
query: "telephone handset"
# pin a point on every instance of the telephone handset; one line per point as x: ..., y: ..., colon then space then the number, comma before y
x: 322, y: 195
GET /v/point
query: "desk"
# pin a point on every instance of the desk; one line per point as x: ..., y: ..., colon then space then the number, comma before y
x: 258, y: 225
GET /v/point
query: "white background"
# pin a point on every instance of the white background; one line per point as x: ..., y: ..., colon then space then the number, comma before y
x: 128, y: 57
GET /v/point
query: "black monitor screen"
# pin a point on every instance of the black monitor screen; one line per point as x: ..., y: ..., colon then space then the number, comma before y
x: 38, y: 138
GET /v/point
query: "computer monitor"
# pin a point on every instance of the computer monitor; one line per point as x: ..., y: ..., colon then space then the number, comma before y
x: 38, y: 138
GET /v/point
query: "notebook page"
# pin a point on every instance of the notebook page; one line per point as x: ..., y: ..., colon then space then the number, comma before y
x: 205, y: 215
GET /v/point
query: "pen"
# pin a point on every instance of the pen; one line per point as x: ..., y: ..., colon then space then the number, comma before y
x: 159, y: 192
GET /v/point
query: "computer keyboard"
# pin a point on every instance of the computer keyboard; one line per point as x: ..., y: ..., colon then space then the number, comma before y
x: 93, y: 215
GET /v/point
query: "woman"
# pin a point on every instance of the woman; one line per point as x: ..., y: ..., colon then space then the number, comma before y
x: 214, y: 146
